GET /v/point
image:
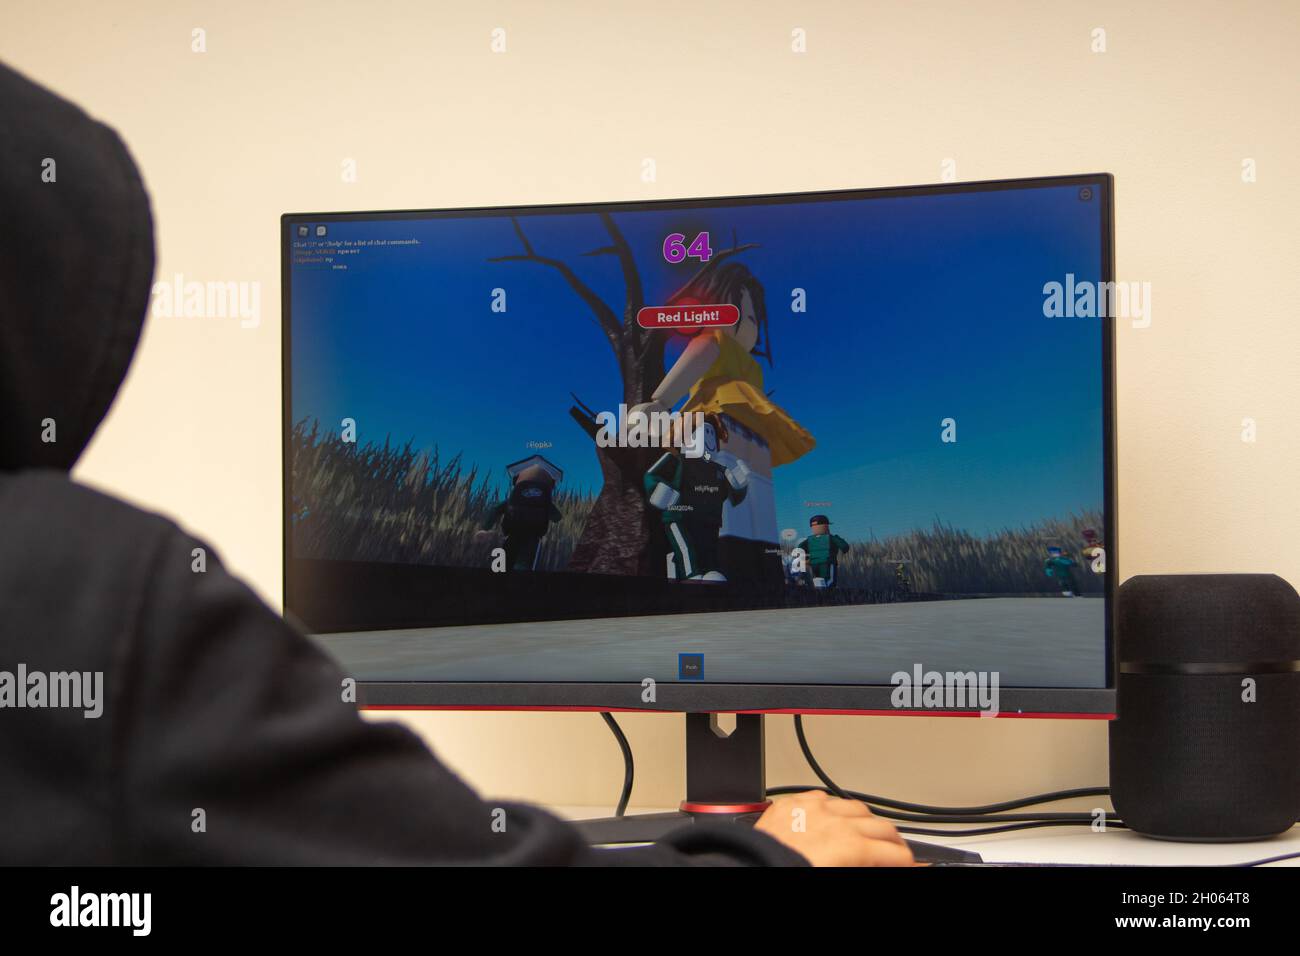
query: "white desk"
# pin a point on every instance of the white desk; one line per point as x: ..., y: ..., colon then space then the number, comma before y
x: 1069, y: 844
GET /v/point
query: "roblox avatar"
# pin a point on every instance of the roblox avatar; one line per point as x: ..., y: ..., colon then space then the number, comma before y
x: 691, y: 487
x: 1060, y: 566
x: 527, y: 512
x: 902, y: 580
x: 719, y: 373
x: 823, y: 551
x: 1094, y: 551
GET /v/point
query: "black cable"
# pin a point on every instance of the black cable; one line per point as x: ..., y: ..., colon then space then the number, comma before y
x: 1062, y: 819
x: 926, y: 814
x: 932, y: 814
x: 628, y: 766
x: 985, y: 831
x: 1267, y: 859
x: 953, y: 814
x: 816, y: 767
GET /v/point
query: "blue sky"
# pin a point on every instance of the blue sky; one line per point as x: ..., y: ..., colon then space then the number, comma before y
x: 918, y: 309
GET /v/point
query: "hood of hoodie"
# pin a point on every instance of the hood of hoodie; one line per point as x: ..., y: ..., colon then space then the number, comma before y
x: 76, y: 262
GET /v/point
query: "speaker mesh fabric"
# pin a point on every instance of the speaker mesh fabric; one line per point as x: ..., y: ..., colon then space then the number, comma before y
x: 1189, y: 757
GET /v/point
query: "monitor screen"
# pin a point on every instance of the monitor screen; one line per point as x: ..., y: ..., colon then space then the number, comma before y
x: 806, y: 440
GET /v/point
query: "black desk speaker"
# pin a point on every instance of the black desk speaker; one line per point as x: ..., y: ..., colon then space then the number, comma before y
x: 1206, y: 746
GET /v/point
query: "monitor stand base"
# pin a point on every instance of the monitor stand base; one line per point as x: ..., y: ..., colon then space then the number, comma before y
x: 725, y: 783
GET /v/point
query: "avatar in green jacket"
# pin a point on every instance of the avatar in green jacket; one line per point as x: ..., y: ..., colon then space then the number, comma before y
x: 823, y: 550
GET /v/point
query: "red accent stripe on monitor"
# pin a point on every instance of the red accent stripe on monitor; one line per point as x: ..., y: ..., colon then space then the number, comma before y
x: 782, y: 710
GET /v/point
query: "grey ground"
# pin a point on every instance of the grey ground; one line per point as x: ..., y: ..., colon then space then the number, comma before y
x: 1030, y: 642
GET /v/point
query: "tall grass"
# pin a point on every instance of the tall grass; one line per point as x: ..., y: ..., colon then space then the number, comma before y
x: 947, y: 560
x: 397, y: 504
x: 394, y: 503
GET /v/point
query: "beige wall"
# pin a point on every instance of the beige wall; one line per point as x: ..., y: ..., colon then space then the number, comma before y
x: 261, y: 123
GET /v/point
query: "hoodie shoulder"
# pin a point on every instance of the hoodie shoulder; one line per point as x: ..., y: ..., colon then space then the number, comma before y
x: 75, y: 581
x: 46, y: 511
x: 75, y: 564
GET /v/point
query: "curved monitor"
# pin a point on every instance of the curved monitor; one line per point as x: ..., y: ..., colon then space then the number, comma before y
x: 840, y: 451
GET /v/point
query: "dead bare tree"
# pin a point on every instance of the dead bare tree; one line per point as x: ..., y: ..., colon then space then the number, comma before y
x: 621, y: 536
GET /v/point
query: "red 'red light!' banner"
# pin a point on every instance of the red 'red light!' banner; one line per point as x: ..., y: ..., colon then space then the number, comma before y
x: 687, y: 316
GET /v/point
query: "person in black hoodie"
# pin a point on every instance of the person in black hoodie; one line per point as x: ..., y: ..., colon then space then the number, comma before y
x: 209, y: 731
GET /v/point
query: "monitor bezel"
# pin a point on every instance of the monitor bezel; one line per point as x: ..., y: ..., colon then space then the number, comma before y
x: 705, y: 696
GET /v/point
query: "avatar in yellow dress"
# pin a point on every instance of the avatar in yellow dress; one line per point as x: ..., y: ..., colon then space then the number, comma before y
x: 718, y: 373
x: 733, y: 386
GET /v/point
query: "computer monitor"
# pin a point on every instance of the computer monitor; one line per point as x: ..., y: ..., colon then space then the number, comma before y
x: 782, y: 453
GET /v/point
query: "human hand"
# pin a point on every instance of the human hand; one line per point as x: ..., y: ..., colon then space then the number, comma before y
x: 828, y: 831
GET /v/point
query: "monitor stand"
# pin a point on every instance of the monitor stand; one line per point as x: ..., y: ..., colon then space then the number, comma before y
x: 725, y: 783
